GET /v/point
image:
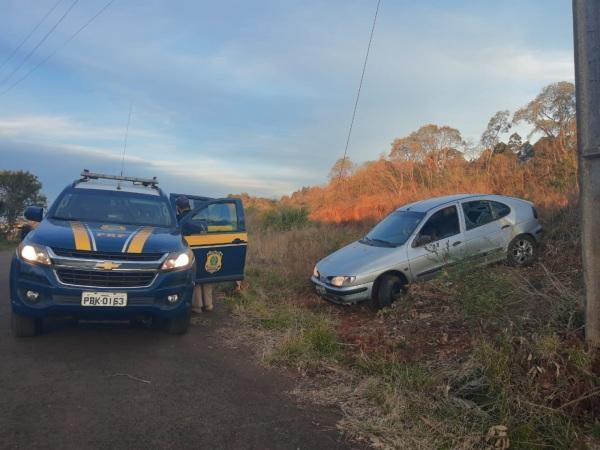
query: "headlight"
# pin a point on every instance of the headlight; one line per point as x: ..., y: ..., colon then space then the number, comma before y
x: 316, y: 273
x: 34, y: 253
x: 341, y: 281
x: 178, y: 260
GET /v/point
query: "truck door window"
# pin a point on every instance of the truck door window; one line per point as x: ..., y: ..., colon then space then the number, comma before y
x: 441, y: 225
x: 216, y: 218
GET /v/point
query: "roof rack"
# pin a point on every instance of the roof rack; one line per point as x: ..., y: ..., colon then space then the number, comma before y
x: 86, y: 175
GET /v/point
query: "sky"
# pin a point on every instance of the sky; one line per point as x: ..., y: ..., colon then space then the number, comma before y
x: 256, y: 96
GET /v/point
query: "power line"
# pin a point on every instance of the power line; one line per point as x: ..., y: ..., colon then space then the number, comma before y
x: 14, y: 52
x: 43, y: 61
x: 33, y: 50
x: 362, y: 77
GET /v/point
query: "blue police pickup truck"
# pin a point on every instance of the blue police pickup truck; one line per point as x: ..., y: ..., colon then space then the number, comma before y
x: 110, y: 248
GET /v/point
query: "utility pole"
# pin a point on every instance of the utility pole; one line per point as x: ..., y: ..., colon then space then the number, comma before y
x: 586, y: 25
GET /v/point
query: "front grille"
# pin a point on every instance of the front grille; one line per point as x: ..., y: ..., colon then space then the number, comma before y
x: 113, y: 256
x: 105, y: 278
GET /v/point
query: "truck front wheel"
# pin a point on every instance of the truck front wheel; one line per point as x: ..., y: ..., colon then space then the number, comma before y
x: 178, y: 325
x: 24, y: 326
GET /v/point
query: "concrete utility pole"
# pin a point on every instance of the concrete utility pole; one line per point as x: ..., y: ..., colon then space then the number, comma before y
x: 586, y: 21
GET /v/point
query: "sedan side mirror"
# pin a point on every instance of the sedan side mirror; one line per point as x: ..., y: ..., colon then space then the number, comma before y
x: 34, y: 213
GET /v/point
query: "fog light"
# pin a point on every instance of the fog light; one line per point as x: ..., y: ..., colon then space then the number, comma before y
x: 32, y: 296
x: 172, y: 298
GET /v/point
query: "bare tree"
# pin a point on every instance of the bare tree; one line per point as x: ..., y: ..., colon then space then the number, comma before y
x: 341, y: 168
x: 498, y: 124
x: 427, y: 139
x: 552, y: 112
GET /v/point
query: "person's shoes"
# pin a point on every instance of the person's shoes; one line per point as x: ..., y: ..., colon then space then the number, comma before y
x: 209, y: 308
x: 197, y: 310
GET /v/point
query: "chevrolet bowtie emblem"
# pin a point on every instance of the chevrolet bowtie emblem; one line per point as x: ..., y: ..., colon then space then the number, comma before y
x: 107, y: 265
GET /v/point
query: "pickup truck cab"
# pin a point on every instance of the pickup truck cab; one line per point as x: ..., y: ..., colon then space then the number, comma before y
x: 110, y: 248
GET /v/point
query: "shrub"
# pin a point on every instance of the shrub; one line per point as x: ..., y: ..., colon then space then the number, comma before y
x: 285, y: 218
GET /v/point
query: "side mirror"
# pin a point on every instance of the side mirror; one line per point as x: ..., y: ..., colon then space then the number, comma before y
x: 34, y: 213
x: 422, y: 239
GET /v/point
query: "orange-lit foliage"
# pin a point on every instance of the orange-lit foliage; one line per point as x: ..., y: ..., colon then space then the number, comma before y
x: 375, y: 189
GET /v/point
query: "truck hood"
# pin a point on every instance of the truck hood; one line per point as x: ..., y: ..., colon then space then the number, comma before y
x: 103, y: 237
x: 359, y: 259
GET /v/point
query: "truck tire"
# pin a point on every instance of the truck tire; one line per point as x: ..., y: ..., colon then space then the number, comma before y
x: 24, y: 326
x: 389, y: 289
x: 178, y: 325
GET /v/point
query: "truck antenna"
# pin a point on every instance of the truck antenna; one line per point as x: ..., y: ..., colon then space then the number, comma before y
x: 126, y: 137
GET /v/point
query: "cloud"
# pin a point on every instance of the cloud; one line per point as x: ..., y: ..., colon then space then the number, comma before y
x: 257, y: 96
x: 203, y: 176
x: 65, y: 128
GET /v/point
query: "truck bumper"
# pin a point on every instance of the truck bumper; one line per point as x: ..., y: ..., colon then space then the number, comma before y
x: 57, y: 299
x: 347, y: 295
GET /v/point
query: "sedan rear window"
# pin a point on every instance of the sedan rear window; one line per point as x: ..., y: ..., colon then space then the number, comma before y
x: 394, y: 230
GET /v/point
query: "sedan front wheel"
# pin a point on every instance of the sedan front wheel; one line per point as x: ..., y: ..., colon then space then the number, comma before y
x: 390, y: 288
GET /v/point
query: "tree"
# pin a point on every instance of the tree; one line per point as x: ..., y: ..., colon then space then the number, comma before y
x: 341, y: 168
x: 498, y: 124
x: 18, y: 189
x: 427, y: 139
x: 552, y: 112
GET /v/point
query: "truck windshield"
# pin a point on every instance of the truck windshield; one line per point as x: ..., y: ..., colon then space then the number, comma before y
x: 394, y: 230
x: 124, y: 208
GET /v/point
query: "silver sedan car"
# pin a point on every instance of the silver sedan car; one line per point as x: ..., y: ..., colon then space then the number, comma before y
x: 417, y: 240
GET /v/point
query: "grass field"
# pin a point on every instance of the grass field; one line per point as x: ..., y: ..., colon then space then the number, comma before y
x: 480, y: 358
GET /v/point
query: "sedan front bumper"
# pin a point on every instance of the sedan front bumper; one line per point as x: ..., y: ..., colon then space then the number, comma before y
x: 344, y: 295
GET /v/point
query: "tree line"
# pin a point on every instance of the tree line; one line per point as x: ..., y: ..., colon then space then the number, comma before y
x: 437, y: 160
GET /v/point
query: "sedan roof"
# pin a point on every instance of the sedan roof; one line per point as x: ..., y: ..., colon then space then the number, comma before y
x: 430, y: 203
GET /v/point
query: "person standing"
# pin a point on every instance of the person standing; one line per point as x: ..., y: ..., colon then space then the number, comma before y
x: 203, y: 293
x: 182, y: 205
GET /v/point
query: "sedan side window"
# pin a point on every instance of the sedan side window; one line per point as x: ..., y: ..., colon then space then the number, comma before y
x: 500, y: 210
x: 477, y: 213
x: 441, y: 225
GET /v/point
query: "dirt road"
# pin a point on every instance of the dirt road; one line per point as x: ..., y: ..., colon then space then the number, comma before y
x: 114, y: 386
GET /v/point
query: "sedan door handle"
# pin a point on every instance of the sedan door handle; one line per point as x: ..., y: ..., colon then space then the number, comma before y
x: 505, y: 226
x: 456, y: 243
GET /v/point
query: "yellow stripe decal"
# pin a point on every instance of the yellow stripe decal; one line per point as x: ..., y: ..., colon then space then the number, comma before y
x: 213, y: 228
x: 216, y: 239
x: 138, y: 241
x: 80, y: 234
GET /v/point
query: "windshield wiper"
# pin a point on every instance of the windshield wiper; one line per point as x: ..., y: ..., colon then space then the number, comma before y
x: 381, y: 241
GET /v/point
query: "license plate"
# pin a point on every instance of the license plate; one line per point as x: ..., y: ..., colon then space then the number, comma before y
x: 320, y: 290
x: 104, y: 299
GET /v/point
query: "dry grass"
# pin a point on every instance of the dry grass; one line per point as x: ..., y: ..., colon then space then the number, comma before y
x: 480, y: 358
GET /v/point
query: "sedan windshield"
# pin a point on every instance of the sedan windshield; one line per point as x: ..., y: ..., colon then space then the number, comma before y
x: 123, y: 208
x: 394, y: 230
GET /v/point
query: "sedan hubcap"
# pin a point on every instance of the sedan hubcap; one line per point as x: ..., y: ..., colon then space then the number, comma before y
x: 522, y: 251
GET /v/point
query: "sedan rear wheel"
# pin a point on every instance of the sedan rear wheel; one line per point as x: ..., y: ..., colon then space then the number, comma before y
x: 522, y: 251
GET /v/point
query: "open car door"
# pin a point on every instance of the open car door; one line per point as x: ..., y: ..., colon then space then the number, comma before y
x: 215, y: 230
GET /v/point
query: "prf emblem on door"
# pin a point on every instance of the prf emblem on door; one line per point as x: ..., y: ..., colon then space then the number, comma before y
x: 214, y: 260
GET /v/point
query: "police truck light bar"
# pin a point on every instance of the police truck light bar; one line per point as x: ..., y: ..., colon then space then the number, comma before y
x: 87, y: 175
